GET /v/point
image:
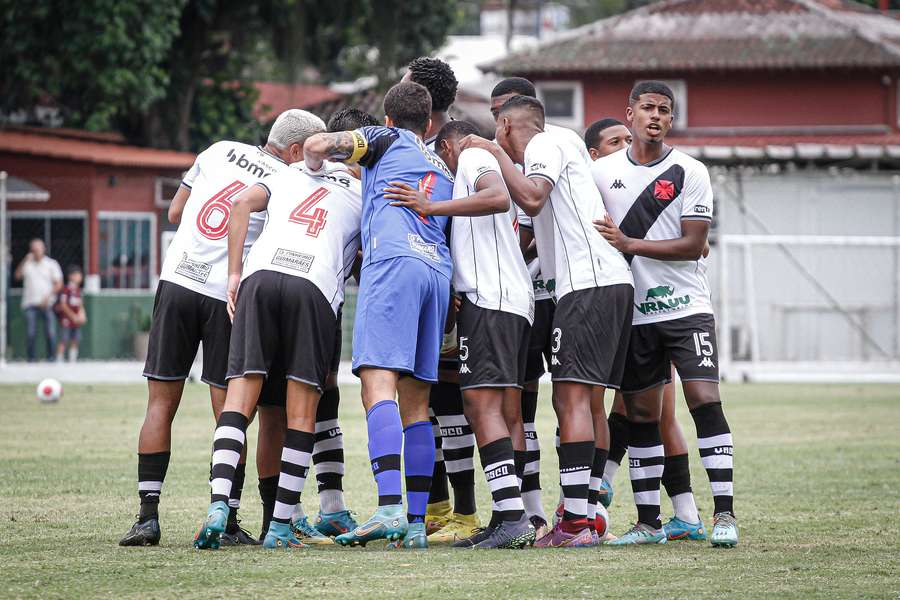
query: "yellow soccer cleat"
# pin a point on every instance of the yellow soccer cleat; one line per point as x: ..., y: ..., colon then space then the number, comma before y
x: 437, y: 515
x: 458, y: 527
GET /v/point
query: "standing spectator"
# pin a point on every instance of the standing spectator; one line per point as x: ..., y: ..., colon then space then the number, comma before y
x: 43, y: 280
x: 72, y: 317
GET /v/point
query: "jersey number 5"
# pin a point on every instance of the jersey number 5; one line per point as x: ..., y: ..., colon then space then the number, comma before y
x: 305, y: 215
x: 212, y: 220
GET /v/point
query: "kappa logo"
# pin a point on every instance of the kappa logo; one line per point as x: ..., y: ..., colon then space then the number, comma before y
x: 554, y: 361
x: 664, y: 190
x: 617, y: 185
x: 464, y: 369
x: 707, y: 362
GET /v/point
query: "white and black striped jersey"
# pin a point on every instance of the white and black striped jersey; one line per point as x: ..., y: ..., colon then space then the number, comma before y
x: 571, y: 138
x: 488, y: 266
x: 198, y: 256
x: 312, y: 229
x: 572, y: 252
x: 650, y: 202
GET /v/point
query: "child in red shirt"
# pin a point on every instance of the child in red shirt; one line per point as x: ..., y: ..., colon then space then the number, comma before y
x: 71, y: 315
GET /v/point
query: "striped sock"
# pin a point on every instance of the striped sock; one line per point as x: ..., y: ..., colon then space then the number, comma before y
x: 500, y: 472
x: 531, y: 477
x: 717, y: 453
x: 618, y: 444
x: 228, y: 443
x: 234, y: 499
x: 458, y: 444
x: 596, y: 482
x: 295, y: 457
x: 439, y: 491
x: 418, y: 464
x: 385, y: 444
x: 328, y: 453
x: 152, y: 469
x: 575, y: 460
x: 646, y: 459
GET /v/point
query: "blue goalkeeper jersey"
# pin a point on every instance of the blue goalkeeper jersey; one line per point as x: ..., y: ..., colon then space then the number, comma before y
x: 394, y: 154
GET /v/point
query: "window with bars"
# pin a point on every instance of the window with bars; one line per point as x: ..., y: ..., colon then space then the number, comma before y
x: 127, y: 250
x: 64, y: 233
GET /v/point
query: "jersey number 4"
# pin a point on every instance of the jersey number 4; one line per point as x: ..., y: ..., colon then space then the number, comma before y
x: 308, y: 214
x: 212, y: 220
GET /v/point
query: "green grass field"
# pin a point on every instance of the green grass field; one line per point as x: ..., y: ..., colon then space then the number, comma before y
x: 817, y: 497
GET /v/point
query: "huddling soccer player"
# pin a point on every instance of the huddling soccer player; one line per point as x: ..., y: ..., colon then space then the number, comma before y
x: 402, y: 307
x: 493, y: 320
x: 453, y: 439
x: 284, y: 301
x: 593, y: 289
x: 190, y: 307
x: 660, y: 206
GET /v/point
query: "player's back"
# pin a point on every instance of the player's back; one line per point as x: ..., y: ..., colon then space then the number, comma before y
x: 198, y: 256
x: 581, y: 258
x: 389, y: 231
x: 312, y: 229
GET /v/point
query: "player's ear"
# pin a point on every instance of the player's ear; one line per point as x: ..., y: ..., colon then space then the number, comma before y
x: 629, y: 114
x: 428, y: 127
x: 595, y: 154
x: 388, y: 122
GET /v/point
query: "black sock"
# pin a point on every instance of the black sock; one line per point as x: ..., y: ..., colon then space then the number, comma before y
x: 521, y: 459
x: 717, y: 453
x: 234, y: 500
x: 152, y: 469
x: 463, y: 484
x: 618, y: 436
x: 676, y: 477
x: 597, y: 468
x: 268, y: 490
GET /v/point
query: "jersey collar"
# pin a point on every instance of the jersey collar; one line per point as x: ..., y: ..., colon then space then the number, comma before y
x: 264, y: 151
x: 652, y: 162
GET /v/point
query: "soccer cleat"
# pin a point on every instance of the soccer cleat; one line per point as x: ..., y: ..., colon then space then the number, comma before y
x: 557, y: 538
x: 641, y: 533
x: 558, y: 513
x: 415, y: 538
x: 238, y: 537
x: 541, y: 528
x: 724, y: 531
x: 476, y: 538
x: 142, y: 533
x: 510, y: 535
x: 606, y: 493
x: 388, y: 522
x: 458, y: 527
x: 335, y: 523
x: 281, y: 536
x: 213, y: 527
x: 677, y: 529
x: 601, y: 521
x: 437, y: 515
x: 309, y: 534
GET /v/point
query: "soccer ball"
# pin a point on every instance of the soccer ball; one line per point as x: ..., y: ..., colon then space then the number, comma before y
x: 49, y: 390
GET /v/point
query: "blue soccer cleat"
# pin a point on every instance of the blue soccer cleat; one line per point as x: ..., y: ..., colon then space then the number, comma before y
x: 677, y: 529
x: 388, y: 523
x: 281, y: 536
x: 212, y: 527
x: 336, y: 523
x: 309, y: 534
x: 641, y: 533
x: 416, y: 538
x: 606, y: 493
x: 725, y: 531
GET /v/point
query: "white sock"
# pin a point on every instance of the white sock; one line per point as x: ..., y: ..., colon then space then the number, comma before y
x: 609, y: 471
x: 685, y: 507
x: 298, y: 512
x: 331, y: 501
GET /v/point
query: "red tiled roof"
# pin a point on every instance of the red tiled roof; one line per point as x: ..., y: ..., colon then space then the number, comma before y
x: 66, y: 148
x: 720, y: 34
x: 812, y: 147
x: 275, y: 97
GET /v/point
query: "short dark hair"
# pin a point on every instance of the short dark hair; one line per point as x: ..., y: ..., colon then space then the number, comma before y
x: 526, y: 102
x: 651, y: 87
x: 592, y: 133
x: 514, y: 85
x: 438, y: 79
x: 349, y: 119
x: 72, y: 269
x: 454, y: 129
x: 408, y: 105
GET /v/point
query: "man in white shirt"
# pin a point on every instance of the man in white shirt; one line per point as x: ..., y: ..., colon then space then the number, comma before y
x: 42, y: 281
x: 594, y: 291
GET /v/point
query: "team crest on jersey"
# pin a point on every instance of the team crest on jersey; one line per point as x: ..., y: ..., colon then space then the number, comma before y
x: 664, y: 189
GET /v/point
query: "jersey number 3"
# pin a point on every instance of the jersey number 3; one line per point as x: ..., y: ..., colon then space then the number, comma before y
x: 212, y: 220
x: 307, y: 214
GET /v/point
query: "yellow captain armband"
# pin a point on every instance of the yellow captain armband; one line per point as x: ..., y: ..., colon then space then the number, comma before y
x: 360, y: 146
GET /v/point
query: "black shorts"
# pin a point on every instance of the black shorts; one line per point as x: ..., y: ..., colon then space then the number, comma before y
x: 493, y: 347
x: 539, y: 341
x: 183, y: 318
x: 590, y: 335
x: 282, y: 319
x: 689, y: 343
x: 274, y: 389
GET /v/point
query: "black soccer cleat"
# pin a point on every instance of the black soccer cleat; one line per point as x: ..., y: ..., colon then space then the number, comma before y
x: 511, y: 535
x: 481, y: 534
x: 142, y: 533
x: 238, y: 537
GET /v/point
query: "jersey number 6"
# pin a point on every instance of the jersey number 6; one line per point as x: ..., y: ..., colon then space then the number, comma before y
x: 315, y: 220
x: 212, y: 220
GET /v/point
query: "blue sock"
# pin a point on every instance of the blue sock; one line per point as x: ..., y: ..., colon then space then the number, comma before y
x: 385, y: 442
x: 418, y: 461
